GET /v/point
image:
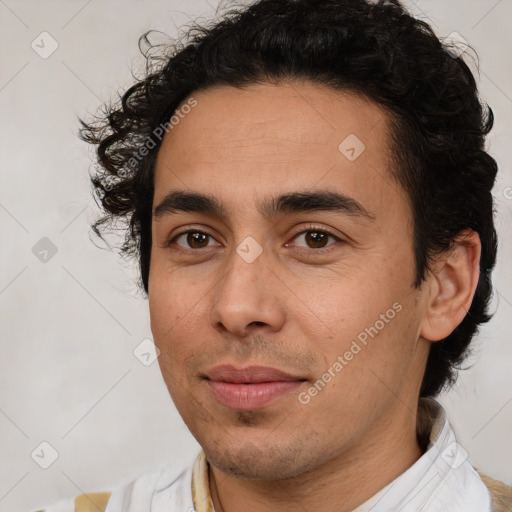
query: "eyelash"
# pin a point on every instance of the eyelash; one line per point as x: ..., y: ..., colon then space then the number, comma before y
x: 309, y: 229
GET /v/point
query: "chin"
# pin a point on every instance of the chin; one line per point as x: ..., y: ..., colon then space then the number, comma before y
x: 266, y: 462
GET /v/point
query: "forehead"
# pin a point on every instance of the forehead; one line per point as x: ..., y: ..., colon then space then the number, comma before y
x: 268, y: 138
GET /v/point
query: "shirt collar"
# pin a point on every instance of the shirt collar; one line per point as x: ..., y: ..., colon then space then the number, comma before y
x: 200, y: 485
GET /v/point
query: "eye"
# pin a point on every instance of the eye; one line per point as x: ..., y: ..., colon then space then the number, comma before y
x: 315, y: 239
x: 193, y: 240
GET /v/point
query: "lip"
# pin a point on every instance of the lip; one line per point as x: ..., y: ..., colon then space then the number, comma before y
x: 249, y: 375
x: 250, y: 388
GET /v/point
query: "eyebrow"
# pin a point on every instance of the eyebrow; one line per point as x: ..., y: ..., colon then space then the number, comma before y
x: 293, y: 202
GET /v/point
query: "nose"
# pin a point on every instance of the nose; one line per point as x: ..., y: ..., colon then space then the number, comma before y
x: 248, y: 296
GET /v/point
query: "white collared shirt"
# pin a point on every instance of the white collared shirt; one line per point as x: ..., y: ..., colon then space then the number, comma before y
x: 442, y: 479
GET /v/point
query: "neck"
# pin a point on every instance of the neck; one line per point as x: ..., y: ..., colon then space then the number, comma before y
x: 340, y: 485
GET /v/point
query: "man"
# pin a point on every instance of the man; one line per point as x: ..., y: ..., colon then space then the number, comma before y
x: 306, y: 188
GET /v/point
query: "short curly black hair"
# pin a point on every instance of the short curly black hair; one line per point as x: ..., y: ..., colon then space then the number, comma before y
x: 374, y: 48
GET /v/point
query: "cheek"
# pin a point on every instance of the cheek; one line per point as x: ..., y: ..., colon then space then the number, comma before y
x: 178, y: 306
x: 371, y: 319
x: 369, y: 364
x: 340, y: 310
x: 172, y: 293
x: 168, y: 306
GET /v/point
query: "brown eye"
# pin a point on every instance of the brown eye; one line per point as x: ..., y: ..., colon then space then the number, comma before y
x: 314, y: 239
x: 193, y: 240
x: 197, y: 240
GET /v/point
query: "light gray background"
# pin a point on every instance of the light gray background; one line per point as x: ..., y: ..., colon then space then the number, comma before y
x: 69, y: 326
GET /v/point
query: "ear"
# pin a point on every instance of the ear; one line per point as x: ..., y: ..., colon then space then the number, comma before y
x: 451, y: 284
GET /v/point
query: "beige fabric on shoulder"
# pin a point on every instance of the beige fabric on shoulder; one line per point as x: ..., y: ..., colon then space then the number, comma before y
x: 92, y: 502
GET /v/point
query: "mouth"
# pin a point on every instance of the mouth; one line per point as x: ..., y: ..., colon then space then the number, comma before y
x: 250, y: 388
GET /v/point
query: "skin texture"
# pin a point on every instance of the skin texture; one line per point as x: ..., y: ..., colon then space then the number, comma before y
x: 297, y: 306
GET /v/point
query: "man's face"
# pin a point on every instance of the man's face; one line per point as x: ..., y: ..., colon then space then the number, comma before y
x: 288, y: 329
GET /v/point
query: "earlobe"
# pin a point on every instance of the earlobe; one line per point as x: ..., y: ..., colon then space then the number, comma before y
x: 452, y: 284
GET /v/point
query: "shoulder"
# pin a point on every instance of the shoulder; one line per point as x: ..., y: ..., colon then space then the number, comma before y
x: 501, y: 494
x: 90, y: 502
x: 169, y: 485
x: 149, y: 491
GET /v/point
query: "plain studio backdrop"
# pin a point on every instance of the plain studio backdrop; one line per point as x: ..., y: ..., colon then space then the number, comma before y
x: 71, y: 317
